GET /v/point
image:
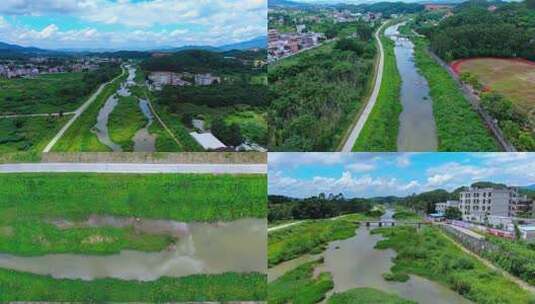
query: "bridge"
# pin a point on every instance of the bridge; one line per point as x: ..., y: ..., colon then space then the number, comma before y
x: 391, y: 223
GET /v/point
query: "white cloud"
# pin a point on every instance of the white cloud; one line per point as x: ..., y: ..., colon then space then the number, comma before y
x: 360, y: 167
x: 403, y: 160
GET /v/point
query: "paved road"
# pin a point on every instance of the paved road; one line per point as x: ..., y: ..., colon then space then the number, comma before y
x: 283, y: 226
x: 79, y: 112
x: 357, y: 128
x: 35, y: 115
x: 135, y: 168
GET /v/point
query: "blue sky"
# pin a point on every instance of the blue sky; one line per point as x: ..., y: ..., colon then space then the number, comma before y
x: 130, y: 24
x: 380, y: 174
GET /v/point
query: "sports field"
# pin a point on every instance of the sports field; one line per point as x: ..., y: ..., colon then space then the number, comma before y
x: 514, y: 78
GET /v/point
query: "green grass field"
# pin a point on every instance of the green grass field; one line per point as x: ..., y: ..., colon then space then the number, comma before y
x: 19, y: 286
x: 300, y: 285
x: 124, y: 122
x: 309, y: 237
x: 430, y: 254
x: 30, y: 134
x: 381, y: 129
x: 366, y: 296
x: 79, y: 137
x: 181, y: 197
x: 47, y: 93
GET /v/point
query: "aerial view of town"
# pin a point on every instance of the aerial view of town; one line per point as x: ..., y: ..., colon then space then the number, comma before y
x: 164, y: 83
x: 105, y: 232
x: 401, y: 228
x: 400, y: 76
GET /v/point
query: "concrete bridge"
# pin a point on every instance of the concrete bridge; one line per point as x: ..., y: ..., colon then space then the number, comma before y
x: 390, y: 223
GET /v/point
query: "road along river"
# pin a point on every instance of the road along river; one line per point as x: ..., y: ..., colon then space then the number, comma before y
x: 200, y: 248
x: 417, y: 129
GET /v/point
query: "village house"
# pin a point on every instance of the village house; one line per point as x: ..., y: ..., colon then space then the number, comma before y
x: 206, y: 79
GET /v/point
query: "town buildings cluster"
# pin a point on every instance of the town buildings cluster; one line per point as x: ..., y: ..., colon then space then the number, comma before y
x: 282, y: 45
x: 160, y: 79
x: 41, y: 65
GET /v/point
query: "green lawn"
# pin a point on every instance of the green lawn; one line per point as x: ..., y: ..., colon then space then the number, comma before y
x: 29, y: 134
x: 19, y: 286
x: 124, y: 122
x: 310, y: 237
x: 79, y: 137
x: 428, y: 253
x: 299, y: 286
x: 366, y: 296
x: 181, y: 197
x: 48, y: 93
x: 252, y: 124
x: 381, y: 129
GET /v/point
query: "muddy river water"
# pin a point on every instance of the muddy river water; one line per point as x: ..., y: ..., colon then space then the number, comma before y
x: 355, y: 263
x: 211, y: 248
x: 417, y: 129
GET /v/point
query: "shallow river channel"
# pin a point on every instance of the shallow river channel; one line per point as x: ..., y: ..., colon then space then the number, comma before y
x: 417, y: 130
x: 210, y: 248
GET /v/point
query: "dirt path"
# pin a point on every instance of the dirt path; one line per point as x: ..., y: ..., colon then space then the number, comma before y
x: 357, y: 128
x: 79, y: 112
x: 284, y: 226
x: 162, y: 123
x: 37, y: 115
x: 489, y: 264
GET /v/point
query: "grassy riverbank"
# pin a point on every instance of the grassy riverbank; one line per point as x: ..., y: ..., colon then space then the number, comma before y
x: 181, y: 197
x: 366, y: 296
x: 430, y: 254
x: 19, y: 286
x: 300, y: 285
x: 309, y: 237
x: 459, y: 128
x: 381, y: 129
x: 79, y: 136
x: 124, y: 122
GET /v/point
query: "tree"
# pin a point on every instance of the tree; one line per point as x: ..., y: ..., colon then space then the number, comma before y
x: 453, y: 213
x: 229, y: 134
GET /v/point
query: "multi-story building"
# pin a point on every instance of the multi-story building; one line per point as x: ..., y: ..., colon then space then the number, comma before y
x: 477, y: 204
x: 442, y: 206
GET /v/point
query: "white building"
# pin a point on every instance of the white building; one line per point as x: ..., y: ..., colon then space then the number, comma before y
x: 478, y: 204
x: 441, y: 207
x: 206, y: 79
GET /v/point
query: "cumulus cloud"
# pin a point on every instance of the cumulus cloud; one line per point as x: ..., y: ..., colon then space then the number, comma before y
x: 212, y: 22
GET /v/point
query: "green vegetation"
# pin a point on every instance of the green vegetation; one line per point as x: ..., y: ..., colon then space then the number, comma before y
x: 366, y: 296
x: 381, y: 129
x: 30, y: 134
x: 406, y: 215
x: 51, y: 93
x: 168, y: 196
x: 317, y: 94
x: 308, y: 237
x: 516, y: 257
x: 430, y: 254
x: 397, y: 276
x: 17, y: 286
x: 79, y: 136
x: 475, y: 31
x: 25, y: 237
x: 124, y: 122
x: 459, y: 127
x: 300, y: 286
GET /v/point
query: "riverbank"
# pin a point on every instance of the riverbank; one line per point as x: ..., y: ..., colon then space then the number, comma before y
x: 459, y: 128
x: 381, y: 129
x: 430, y: 254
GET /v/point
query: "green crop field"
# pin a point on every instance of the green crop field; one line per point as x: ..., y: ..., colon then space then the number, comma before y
x: 43, y: 94
x: 428, y: 253
x: 29, y: 134
x: 381, y: 129
x: 366, y: 296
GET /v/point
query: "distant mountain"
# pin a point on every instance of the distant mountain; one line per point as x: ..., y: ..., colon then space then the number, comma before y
x: 258, y: 42
x: 530, y: 187
x: 12, y: 48
x: 288, y: 3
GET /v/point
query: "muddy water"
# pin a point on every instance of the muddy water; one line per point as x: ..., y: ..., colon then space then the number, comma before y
x: 355, y: 263
x: 101, y: 128
x: 238, y: 246
x: 143, y: 140
x: 417, y: 129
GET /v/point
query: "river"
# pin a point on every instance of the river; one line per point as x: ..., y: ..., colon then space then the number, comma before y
x: 417, y: 129
x: 208, y: 248
x: 355, y: 263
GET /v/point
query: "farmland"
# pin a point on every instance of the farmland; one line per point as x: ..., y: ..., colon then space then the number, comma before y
x: 28, y: 134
